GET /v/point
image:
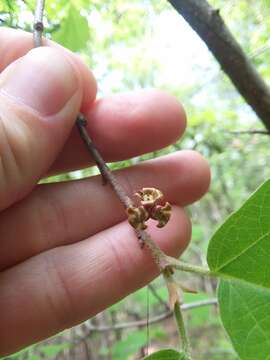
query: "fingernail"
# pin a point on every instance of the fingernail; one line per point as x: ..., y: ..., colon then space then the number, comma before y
x: 44, y: 80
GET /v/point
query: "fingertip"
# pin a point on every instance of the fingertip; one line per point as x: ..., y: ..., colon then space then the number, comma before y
x: 199, y: 171
x: 192, y: 175
x: 172, y: 113
x: 184, y: 176
x: 88, y: 80
x: 90, y: 88
x: 118, y: 121
x: 158, y: 117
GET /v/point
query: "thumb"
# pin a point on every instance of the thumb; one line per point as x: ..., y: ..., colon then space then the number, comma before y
x: 40, y: 96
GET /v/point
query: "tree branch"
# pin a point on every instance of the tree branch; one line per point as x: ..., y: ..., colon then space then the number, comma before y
x: 157, y: 254
x: 164, y: 262
x: 153, y: 320
x: 259, y: 51
x: 89, y: 328
x: 209, y: 25
x: 251, y: 132
x: 106, y: 173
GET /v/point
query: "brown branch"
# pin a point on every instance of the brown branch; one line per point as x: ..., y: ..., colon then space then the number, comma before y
x: 157, y: 254
x: 153, y: 320
x: 251, y: 132
x: 89, y: 328
x: 209, y: 25
x: 106, y: 173
x: 163, y: 262
x: 259, y: 51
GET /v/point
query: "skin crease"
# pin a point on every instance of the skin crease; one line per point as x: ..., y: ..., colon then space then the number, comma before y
x: 66, y: 249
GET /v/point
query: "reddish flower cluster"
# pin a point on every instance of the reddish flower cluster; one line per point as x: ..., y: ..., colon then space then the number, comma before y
x: 151, y: 207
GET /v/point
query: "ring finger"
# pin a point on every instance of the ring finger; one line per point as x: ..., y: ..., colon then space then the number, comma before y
x: 64, y: 213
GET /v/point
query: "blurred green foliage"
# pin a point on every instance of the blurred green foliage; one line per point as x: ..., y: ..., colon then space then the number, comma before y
x: 130, y: 45
x: 167, y: 354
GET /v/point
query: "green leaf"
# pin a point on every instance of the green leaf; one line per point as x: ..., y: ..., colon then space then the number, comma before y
x: 245, y: 310
x: 240, y: 247
x: 168, y: 354
x: 239, y: 251
x: 74, y: 30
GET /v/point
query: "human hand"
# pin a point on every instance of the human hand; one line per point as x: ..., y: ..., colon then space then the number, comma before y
x: 66, y: 250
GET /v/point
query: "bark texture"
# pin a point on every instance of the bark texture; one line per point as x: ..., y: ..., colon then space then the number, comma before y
x: 209, y: 25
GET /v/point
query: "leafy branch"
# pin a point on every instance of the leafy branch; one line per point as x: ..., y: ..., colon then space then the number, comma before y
x: 242, y: 242
x: 164, y: 262
x: 137, y: 215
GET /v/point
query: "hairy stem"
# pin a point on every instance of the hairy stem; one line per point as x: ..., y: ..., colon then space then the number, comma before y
x: 181, y: 328
x: 108, y: 176
x: 174, y: 299
x: 165, y: 263
x: 106, y: 173
x: 180, y: 265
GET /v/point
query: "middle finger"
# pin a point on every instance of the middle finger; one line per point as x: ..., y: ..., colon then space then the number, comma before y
x: 64, y: 213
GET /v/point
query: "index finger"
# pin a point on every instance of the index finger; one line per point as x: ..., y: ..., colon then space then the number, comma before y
x: 122, y: 126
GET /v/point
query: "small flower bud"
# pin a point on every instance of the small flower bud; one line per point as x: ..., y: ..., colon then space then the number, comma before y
x: 149, y: 196
x: 162, y: 214
x: 151, y: 206
x: 137, y: 217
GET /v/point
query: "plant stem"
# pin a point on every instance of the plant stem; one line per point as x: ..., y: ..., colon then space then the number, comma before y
x: 106, y: 173
x: 157, y: 254
x: 181, y: 328
x: 251, y: 132
x: 108, y: 176
x: 165, y: 263
x: 38, y: 23
x: 140, y: 323
x: 180, y: 265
